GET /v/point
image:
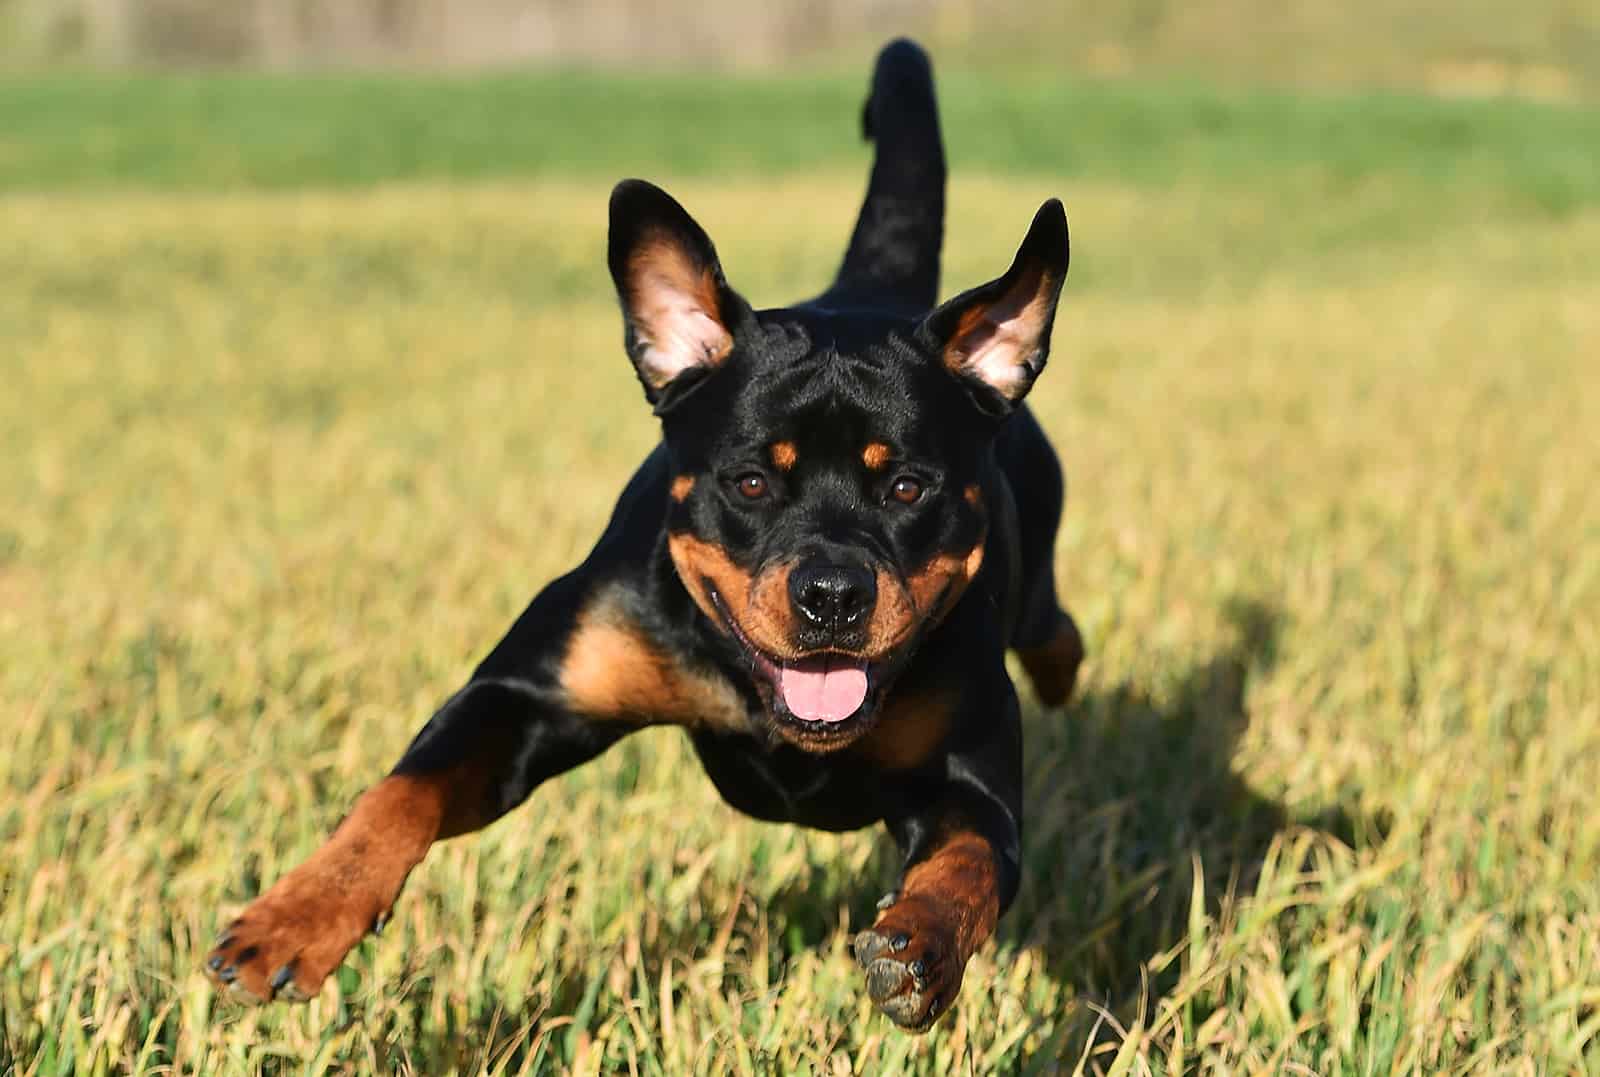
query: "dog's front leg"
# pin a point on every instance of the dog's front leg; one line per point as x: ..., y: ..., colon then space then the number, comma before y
x: 961, y: 872
x: 477, y: 758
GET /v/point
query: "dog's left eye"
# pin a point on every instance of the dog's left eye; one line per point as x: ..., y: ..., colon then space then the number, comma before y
x: 751, y: 485
x: 906, y: 490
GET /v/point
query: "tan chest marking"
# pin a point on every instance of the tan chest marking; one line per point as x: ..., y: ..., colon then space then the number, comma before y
x: 913, y: 727
x: 612, y: 671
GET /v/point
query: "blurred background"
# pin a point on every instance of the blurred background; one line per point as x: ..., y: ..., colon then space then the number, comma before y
x: 1544, y: 48
x: 310, y: 376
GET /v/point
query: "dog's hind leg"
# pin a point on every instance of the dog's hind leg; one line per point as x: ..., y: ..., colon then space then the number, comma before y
x: 1046, y: 638
x: 893, y: 258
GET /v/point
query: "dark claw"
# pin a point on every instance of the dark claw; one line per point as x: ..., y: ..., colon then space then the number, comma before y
x: 899, y: 942
x: 281, y: 977
x: 902, y: 1010
x: 224, y: 940
x: 228, y: 975
x: 883, y: 978
x: 868, y: 945
x: 919, y: 970
x: 888, y: 899
x: 215, y: 963
x: 380, y: 923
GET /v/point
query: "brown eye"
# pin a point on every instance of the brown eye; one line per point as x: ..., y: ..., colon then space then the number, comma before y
x: 906, y: 490
x: 752, y: 485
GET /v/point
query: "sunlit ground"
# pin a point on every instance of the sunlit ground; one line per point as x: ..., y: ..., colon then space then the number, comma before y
x: 281, y: 466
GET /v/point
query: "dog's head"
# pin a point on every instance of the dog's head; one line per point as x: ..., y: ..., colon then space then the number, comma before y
x: 826, y: 511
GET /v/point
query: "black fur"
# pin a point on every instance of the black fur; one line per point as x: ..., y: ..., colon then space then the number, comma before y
x: 864, y: 365
x: 831, y: 374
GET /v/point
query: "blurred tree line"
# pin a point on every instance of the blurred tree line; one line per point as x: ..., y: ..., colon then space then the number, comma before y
x: 321, y: 33
x: 1544, y: 48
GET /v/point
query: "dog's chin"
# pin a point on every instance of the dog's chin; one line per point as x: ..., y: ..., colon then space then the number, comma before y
x: 821, y: 702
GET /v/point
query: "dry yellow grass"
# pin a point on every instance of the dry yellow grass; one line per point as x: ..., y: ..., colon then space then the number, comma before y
x: 279, y: 468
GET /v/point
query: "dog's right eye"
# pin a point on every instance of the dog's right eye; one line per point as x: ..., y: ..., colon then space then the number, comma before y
x: 906, y: 489
x: 752, y: 485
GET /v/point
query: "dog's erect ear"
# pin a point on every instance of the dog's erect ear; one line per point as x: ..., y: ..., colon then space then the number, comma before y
x: 678, y: 312
x: 995, y: 338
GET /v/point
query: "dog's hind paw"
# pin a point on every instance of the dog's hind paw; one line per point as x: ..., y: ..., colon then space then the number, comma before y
x: 1052, y: 667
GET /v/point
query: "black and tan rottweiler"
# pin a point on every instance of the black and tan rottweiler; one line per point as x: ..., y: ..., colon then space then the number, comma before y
x: 817, y: 574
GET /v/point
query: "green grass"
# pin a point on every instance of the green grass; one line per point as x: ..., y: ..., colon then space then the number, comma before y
x: 285, y: 453
x: 253, y: 132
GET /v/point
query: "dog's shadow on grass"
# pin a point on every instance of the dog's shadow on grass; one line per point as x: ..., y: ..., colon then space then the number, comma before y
x: 1128, y: 789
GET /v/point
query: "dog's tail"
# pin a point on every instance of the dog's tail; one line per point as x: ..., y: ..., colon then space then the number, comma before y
x: 893, y: 257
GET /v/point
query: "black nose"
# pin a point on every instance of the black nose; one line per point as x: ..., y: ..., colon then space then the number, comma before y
x: 830, y: 596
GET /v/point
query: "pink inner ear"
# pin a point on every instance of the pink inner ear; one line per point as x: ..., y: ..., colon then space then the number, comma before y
x: 1001, y: 345
x: 675, y: 315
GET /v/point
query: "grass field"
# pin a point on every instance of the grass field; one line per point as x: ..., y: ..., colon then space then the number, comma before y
x: 304, y: 399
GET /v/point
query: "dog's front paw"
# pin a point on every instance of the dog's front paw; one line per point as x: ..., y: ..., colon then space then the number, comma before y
x: 285, y: 943
x: 913, y: 961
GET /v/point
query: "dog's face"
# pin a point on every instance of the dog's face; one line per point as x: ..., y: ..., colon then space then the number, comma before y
x: 826, y: 511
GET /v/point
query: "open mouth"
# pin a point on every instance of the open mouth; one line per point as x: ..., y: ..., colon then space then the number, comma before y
x: 820, y: 690
x: 823, y: 687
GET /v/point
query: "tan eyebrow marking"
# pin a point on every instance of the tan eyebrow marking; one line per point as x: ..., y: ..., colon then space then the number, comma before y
x: 783, y: 455
x: 681, y: 486
x: 875, y: 455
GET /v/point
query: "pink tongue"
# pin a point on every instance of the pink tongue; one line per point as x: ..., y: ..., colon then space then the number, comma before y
x: 828, y: 688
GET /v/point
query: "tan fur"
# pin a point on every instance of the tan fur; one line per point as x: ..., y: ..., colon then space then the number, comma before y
x: 944, y: 579
x: 912, y: 728
x: 783, y: 455
x: 682, y: 487
x: 875, y: 455
x: 930, y: 592
x: 1052, y: 667
x: 759, y: 605
x: 959, y: 879
x: 314, y: 915
x: 614, y: 672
